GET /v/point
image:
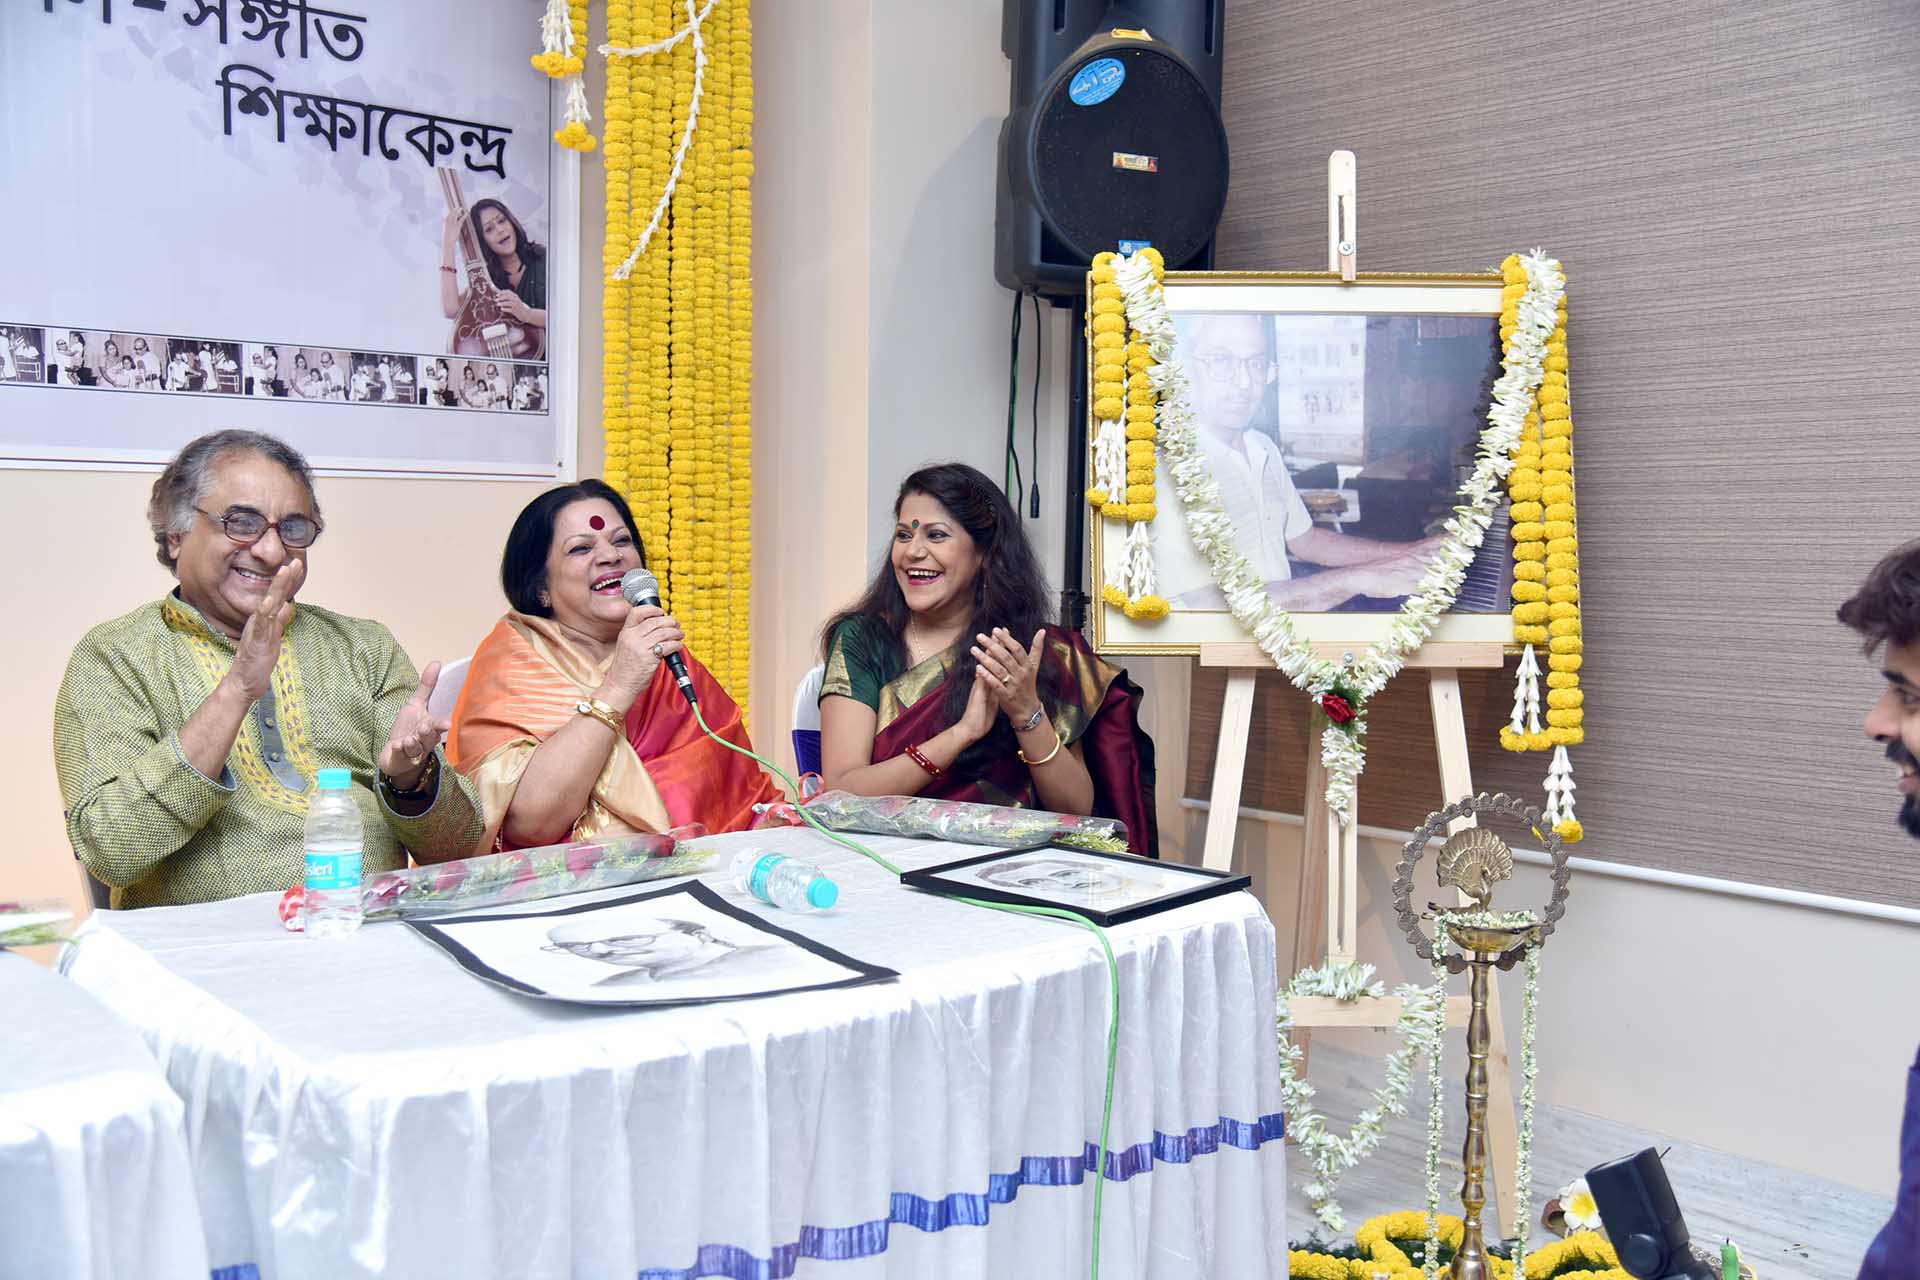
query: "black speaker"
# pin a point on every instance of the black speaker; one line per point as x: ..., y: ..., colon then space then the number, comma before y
x: 1642, y: 1217
x: 1113, y: 137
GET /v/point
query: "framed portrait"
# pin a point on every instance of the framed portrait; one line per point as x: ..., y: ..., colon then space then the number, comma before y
x: 1339, y: 421
x: 676, y: 946
x: 1107, y: 888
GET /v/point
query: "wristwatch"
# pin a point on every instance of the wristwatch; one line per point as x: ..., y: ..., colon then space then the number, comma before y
x: 421, y: 785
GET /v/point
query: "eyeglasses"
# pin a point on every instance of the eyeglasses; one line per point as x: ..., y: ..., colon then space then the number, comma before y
x: 1221, y: 367
x: 246, y: 526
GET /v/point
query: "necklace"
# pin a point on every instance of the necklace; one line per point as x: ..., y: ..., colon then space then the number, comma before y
x: 917, y: 653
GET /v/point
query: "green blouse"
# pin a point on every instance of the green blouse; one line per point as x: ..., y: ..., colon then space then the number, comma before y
x: 863, y: 659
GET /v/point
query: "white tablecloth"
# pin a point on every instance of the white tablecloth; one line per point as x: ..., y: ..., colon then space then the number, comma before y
x: 367, y: 1108
x: 93, y: 1161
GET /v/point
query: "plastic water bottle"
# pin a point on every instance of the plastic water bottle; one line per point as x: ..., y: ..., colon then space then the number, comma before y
x: 785, y: 882
x: 336, y: 852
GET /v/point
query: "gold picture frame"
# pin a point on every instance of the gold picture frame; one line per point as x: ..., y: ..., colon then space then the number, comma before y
x: 1378, y: 310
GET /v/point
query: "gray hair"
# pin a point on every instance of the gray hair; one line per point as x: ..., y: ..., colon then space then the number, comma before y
x: 183, y: 484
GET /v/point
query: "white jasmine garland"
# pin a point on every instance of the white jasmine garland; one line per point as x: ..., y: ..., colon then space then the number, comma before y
x: 1436, y: 1114
x: 1421, y: 1024
x: 1529, y: 1066
x: 1359, y: 679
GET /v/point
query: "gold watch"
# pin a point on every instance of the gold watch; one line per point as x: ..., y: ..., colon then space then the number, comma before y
x: 602, y: 712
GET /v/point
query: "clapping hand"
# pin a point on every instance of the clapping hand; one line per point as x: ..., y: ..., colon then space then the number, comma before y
x: 1014, y: 671
x: 416, y: 732
x: 258, y: 649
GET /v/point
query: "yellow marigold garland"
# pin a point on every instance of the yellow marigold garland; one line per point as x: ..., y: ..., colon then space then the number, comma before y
x: 563, y: 31
x: 1124, y: 408
x: 1584, y: 1254
x: 679, y: 329
x: 1546, y: 549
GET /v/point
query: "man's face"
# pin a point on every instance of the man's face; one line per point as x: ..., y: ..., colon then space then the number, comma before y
x: 1895, y: 722
x: 1230, y: 365
x: 223, y: 579
x: 649, y: 944
x: 1055, y: 875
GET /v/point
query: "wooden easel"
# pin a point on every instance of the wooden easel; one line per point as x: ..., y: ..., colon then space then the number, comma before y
x: 1330, y: 855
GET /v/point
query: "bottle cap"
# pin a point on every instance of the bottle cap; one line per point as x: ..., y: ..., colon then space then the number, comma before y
x: 822, y: 893
x: 336, y: 779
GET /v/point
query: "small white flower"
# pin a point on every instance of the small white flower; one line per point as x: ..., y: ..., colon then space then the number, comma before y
x: 1577, y: 1203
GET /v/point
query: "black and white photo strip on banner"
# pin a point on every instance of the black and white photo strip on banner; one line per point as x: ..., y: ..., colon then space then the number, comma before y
x: 114, y: 360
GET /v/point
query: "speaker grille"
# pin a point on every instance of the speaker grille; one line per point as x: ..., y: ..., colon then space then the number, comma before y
x: 1148, y: 163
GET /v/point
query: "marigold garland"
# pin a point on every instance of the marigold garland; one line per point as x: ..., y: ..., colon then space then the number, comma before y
x: 1546, y: 552
x: 678, y: 309
x: 1125, y: 413
x: 563, y: 40
x: 1383, y: 1245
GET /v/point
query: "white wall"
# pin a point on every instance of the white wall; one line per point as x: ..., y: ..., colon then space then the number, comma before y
x: 1777, y: 1032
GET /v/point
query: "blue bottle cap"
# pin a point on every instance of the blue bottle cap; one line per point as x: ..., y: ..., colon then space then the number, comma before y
x: 822, y: 893
x: 336, y: 779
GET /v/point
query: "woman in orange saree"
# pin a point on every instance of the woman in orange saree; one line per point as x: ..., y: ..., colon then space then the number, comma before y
x: 569, y: 724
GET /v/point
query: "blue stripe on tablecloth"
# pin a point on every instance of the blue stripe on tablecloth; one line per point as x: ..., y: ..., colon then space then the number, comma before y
x: 244, y: 1271
x: 966, y: 1209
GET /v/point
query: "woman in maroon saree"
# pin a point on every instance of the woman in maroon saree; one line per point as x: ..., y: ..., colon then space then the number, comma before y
x: 946, y: 680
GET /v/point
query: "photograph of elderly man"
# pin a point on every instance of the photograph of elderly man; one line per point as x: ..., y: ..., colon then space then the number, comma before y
x: 188, y: 734
x: 1230, y: 361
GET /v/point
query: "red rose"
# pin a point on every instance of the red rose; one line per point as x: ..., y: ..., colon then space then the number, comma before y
x: 583, y: 858
x: 1338, y: 709
x: 450, y: 876
x: 292, y: 902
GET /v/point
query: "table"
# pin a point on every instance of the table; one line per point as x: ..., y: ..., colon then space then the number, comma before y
x: 93, y: 1158
x: 368, y: 1108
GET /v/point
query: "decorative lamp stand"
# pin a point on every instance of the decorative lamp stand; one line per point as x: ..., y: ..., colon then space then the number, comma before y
x: 1473, y: 861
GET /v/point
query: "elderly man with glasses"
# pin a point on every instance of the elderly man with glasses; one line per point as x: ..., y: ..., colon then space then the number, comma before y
x: 188, y: 733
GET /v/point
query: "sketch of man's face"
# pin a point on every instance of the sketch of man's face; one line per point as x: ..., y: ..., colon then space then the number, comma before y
x: 1230, y: 364
x: 648, y: 949
x: 1055, y: 875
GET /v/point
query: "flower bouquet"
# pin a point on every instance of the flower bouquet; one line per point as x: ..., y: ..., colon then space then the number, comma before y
x: 23, y: 924
x: 522, y: 875
x: 961, y: 822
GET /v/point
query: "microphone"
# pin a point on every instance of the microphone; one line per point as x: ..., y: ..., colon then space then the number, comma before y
x: 639, y: 586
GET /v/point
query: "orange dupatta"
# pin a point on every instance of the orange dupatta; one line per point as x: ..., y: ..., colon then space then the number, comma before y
x: 522, y: 686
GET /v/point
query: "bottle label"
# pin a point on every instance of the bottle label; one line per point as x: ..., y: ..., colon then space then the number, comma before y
x: 762, y: 872
x: 334, y: 870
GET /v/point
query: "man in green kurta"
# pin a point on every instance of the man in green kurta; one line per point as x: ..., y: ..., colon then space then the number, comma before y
x: 188, y: 734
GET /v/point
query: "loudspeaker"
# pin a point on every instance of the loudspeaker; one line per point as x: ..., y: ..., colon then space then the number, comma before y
x: 1113, y: 136
x: 1642, y: 1217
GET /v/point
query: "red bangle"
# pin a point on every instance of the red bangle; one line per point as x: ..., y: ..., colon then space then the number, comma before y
x: 918, y: 757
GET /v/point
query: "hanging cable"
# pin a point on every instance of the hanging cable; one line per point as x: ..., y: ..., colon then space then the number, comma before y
x: 1010, y: 479
x: 1039, y: 373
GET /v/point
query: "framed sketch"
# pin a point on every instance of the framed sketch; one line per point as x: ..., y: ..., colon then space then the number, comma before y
x: 1339, y: 421
x: 676, y: 946
x: 1107, y: 888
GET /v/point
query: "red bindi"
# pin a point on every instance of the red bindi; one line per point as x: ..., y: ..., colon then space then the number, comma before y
x: 596, y: 522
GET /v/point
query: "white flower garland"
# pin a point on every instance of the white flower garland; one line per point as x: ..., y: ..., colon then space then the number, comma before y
x: 1421, y: 1024
x: 1436, y: 1102
x: 1271, y: 627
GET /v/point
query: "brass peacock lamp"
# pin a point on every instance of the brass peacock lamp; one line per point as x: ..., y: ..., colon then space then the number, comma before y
x: 1474, y: 861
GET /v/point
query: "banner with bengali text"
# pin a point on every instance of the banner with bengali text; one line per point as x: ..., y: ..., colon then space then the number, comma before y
x: 347, y: 226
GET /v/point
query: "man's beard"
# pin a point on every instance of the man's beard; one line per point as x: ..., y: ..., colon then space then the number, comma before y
x: 1910, y: 809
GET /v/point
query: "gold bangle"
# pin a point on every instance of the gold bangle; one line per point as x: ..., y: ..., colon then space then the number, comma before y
x: 600, y: 711
x: 1058, y: 742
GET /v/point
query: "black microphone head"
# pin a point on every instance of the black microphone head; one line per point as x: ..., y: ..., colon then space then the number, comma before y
x: 639, y: 586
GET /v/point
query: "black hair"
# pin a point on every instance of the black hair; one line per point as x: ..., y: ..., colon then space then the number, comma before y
x: 528, y: 252
x: 523, y: 566
x: 1009, y: 591
x: 1886, y: 608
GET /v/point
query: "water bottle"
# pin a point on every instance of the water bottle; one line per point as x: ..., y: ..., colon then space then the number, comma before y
x: 783, y: 881
x: 336, y: 850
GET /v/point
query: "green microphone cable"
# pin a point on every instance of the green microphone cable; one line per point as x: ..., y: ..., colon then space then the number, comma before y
x: 1057, y: 913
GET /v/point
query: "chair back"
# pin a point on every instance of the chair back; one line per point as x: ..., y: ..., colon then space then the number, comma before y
x: 806, y: 720
x: 446, y: 692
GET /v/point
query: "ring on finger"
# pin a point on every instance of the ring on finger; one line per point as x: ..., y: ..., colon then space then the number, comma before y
x: 656, y: 650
